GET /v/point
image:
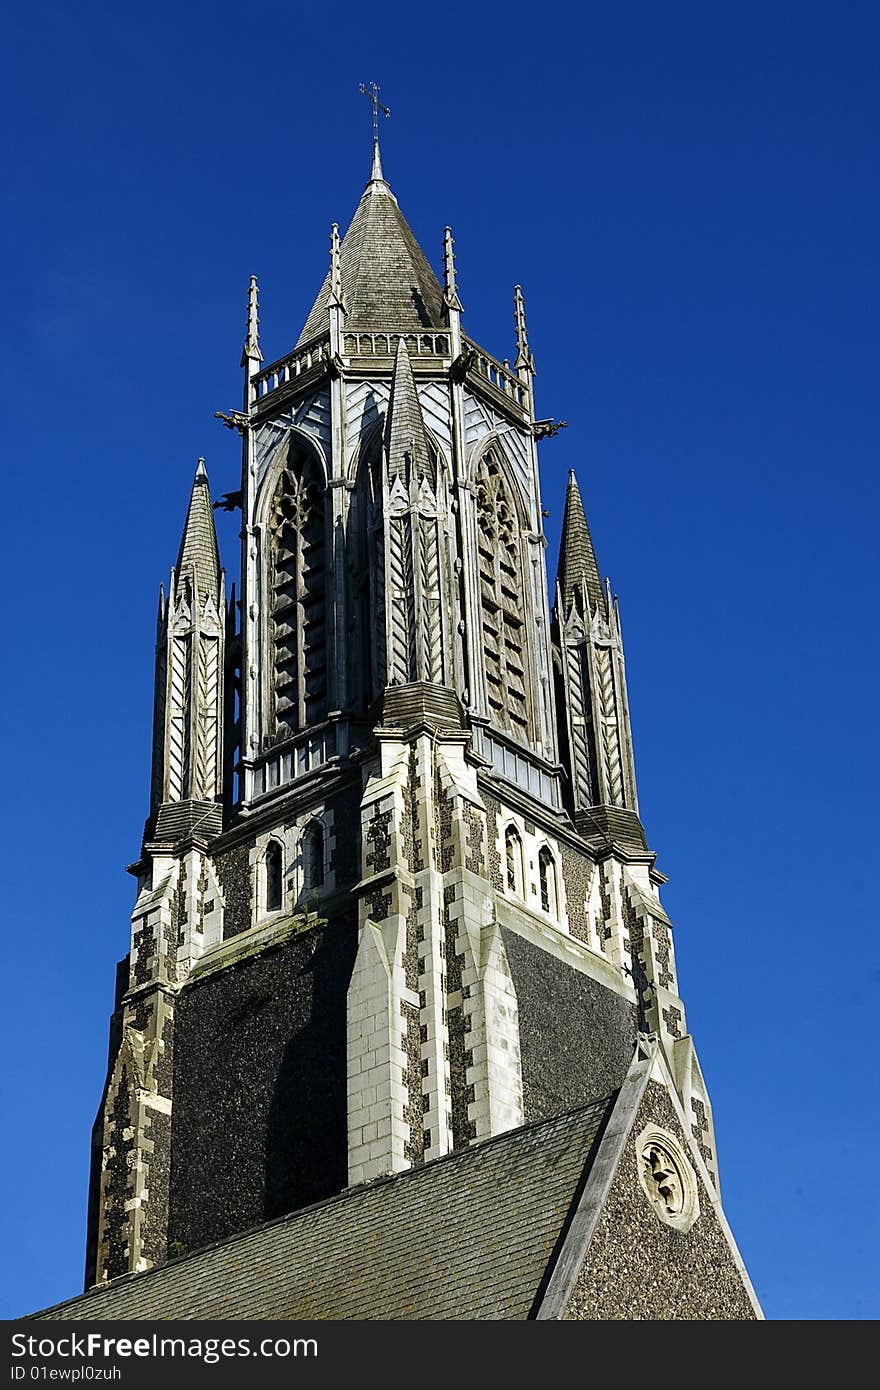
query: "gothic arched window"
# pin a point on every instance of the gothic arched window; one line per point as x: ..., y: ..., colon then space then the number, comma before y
x: 274, y: 875
x: 547, y: 882
x: 297, y: 598
x: 502, y: 599
x: 312, y: 855
x: 513, y: 858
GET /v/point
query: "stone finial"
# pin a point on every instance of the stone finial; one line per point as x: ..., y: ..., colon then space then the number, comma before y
x: 251, y: 351
x: 524, y: 359
x: 450, y: 287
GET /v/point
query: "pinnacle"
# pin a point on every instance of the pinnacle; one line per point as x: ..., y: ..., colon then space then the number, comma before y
x: 376, y: 175
x: 405, y: 425
x: 198, y: 554
x: 578, y: 569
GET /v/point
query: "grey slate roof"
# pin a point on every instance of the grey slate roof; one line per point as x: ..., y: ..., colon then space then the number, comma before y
x: 198, y: 544
x: 469, y: 1236
x: 386, y: 279
x: 577, y: 558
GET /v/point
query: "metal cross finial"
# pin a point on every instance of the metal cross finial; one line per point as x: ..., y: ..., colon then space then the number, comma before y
x: 372, y: 91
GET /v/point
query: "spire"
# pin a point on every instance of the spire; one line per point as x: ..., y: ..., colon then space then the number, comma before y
x: 578, y: 569
x: 198, y: 545
x: 524, y: 359
x: 384, y: 274
x: 450, y: 287
x: 404, y: 423
x: 251, y: 350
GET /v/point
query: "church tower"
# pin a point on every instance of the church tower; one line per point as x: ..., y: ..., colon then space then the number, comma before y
x: 394, y: 897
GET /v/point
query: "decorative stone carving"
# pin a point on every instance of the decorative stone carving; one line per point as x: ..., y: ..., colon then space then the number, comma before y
x: 667, y: 1178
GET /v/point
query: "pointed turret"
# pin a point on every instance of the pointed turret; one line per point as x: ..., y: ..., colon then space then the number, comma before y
x: 188, y: 721
x: 385, y: 276
x: 198, y: 553
x: 592, y: 691
x: 578, y: 573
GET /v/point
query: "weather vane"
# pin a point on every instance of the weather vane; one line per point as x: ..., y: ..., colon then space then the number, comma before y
x: 372, y: 91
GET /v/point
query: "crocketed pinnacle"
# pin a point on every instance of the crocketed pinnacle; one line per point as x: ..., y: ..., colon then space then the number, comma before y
x: 251, y: 349
x: 404, y: 422
x: 386, y: 279
x: 578, y: 569
x: 198, y: 545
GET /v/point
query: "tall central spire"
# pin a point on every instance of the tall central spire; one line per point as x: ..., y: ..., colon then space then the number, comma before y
x: 385, y: 276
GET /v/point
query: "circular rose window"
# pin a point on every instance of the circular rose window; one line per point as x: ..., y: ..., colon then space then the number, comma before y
x: 667, y: 1178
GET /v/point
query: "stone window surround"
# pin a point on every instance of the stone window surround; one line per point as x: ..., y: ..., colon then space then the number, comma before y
x: 294, y: 895
x: 683, y: 1220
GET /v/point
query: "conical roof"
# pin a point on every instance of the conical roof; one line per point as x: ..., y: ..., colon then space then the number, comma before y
x: 577, y: 558
x: 386, y: 279
x: 198, y: 544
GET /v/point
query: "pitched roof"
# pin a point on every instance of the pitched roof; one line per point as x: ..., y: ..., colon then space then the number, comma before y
x: 578, y: 568
x: 469, y: 1236
x: 386, y: 279
x: 198, y: 544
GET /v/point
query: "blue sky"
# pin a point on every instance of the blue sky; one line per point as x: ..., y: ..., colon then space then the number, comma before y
x: 688, y: 195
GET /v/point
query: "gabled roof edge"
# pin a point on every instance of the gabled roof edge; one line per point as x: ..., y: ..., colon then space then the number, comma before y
x: 602, y: 1169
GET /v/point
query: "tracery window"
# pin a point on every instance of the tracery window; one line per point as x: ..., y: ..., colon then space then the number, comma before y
x: 297, y: 594
x: 502, y: 599
x: 513, y: 856
x: 274, y: 875
x: 547, y: 882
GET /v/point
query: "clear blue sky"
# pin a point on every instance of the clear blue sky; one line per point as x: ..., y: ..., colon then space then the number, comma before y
x: 688, y: 194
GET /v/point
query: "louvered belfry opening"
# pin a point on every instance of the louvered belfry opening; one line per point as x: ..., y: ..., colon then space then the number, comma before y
x: 502, y: 600
x: 366, y: 578
x: 298, y: 598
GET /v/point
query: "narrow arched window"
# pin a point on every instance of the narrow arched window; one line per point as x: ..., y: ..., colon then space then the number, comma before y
x: 297, y: 582
x: 503, y: 601
x: 514, y: 860
x: 312, y: 850
x: 274, y: 875
x: 547, y: 881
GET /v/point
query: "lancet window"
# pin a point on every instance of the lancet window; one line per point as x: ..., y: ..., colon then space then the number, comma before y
x: 312, y: 856
x: 274, y: 866
x: 547, y: 882
x: 513, y: 857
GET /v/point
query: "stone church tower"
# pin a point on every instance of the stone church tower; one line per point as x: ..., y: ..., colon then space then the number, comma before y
x: 394, y: 897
